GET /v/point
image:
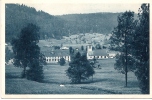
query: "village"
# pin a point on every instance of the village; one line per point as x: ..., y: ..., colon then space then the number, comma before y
x: 87, y: 43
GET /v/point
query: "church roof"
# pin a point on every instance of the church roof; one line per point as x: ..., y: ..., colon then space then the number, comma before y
x: 100, y: 52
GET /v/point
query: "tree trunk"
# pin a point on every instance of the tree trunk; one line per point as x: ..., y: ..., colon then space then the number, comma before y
x: 126, y: 62
x: 24, y: 73
x: 126, y: 75
x: 79, y: 78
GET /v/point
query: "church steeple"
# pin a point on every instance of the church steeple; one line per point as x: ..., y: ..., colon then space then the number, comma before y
x: 89, y: 48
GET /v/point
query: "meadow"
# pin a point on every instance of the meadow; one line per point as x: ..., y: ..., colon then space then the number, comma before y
x: 105, y: 81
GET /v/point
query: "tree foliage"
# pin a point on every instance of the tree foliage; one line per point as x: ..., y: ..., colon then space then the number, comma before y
x: 62, y: 61
x: 71, y: 50
x: 98, y: 46
x: 121, y: 39
x: 80, y: 68
x: 82, y: 47
x: 27, y: 53
x: 141, y: 48
x: 132, y: 41
x: 120, y: 64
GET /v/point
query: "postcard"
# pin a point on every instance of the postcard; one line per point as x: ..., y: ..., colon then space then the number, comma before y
x: 75, y: 49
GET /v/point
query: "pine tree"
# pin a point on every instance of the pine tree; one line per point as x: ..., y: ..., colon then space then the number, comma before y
x: 121, y: 41
x: 70, y: 50
x: 27, y: 53
x: 82, y: 48
x: 80, y: 68
x: 141, y: 48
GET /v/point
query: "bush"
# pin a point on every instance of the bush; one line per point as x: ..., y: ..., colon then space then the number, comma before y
x: 62, y: 61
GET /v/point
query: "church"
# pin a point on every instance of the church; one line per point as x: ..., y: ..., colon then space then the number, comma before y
x: 97, y: 54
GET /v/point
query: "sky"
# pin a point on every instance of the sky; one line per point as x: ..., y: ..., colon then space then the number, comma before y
x: 77, y: 8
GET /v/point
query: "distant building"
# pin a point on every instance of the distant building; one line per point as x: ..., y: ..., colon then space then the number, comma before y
x: 97, y: 54
x: 64, y: 48
x: 111, y: 54
x: 55, y: 56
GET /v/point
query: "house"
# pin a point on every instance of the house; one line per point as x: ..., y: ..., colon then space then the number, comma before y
x: 111, y: 54
x: 97, y: 54
x: 64, y: 48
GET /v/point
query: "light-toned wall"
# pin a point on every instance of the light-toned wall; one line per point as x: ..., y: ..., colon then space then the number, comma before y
x: 56, y: 59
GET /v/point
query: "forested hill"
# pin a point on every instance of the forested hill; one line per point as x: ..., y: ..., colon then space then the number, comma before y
x: 92, y: 22
x: 18, y: 16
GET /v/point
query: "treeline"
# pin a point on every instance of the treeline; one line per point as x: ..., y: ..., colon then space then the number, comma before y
x: 18, y: 16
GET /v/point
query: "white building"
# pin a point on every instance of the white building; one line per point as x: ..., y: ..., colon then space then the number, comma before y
x: 97, y: 54
x: 55, y: 56
x: 112, y: 55
x: 64, y: 48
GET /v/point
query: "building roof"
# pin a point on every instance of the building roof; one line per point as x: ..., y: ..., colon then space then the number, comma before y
x: 100, y: 52
x: 56, y: 53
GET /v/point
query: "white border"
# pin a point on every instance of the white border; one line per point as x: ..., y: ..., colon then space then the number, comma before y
x: 2, y: 50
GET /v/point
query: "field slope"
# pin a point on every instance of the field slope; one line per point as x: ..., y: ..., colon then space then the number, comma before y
x: 105, y: 81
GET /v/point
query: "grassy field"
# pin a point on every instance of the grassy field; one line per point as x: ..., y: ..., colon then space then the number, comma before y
x: 105, y: 81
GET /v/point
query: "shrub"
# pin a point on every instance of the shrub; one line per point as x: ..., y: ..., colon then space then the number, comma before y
x: 62, y: 61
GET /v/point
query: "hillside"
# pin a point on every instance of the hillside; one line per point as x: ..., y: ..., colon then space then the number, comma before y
x: 18, y: 16
x: 91, y: 23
